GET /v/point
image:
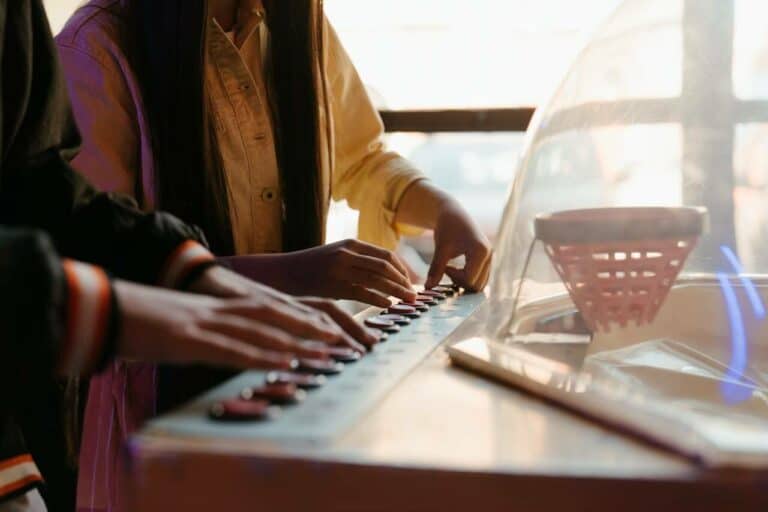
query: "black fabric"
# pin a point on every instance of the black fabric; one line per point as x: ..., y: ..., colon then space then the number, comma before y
x: 47, y: 210
x: 177, y: 385
x: 12, y: 445
x: 39, y: 189
x: 31, y: 306
x: 32, y: 415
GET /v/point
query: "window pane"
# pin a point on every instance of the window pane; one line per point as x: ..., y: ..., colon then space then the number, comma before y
x: 454, y: 54
x: 59, y: 11
x: 475, y: 168
x: 750, y: 49
x: 639, y: 56
x: 750, y: 194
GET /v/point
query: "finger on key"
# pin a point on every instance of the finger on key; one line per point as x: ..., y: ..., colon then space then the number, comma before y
x: 468, y: 276
x: 216, y: 349
x: 437, y: 268
x: 383, y: 268
x: 484, y: 275
x: 261, y: 335
x: 369, y: 297
x: 298, y: 324
x: 381, y: 253
x: 374, y: 281
x: 359, y: 337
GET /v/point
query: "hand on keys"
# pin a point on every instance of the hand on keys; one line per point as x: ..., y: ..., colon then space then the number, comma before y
x: 349, y: 269
x: 304, y: 317
x: 457, y: 235
x: 354, y: 270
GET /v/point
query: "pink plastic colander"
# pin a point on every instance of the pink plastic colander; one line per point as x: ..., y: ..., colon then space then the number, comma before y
x: 618, y: 264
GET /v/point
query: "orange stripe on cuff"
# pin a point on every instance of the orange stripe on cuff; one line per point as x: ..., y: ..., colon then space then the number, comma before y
x: 17, y: 473
x: 88, y: 311
x: 15, y: 461
x: 182, y: 261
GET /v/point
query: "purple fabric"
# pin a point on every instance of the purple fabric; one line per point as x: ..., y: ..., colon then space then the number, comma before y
x: 120, y: 400
x: 98, y: 72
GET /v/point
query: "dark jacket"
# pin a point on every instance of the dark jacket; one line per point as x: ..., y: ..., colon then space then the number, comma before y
x: 49, y: 212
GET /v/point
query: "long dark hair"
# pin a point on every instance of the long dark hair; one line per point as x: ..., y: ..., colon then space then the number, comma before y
x: 189, y: 172
x: 296, y: 101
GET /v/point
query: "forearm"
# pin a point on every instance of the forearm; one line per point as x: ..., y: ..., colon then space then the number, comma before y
x: 422, y: 204
x: 269, y: 269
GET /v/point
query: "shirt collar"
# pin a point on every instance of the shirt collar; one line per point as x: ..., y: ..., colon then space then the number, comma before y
x: 250, y: 15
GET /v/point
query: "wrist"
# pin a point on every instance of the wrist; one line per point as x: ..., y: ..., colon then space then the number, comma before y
x: 218, y: 281
x: 185, y: 264
x: 90, y: 320
x: 423, y: 204
x: 274, y: 270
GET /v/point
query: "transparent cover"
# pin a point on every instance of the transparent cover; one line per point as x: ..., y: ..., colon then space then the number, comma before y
x: 631, y: 271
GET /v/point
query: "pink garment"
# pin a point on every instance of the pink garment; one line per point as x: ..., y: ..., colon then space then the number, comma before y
x: 123, y: 397
x: 119, y: 401
x: 107, y: 99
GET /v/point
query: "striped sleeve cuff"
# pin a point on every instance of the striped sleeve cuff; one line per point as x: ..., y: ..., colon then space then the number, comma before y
x: 18, y: 475
x: 188, y: 258
x: 87, y: 318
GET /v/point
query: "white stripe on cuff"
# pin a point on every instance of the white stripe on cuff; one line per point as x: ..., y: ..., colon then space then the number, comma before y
x: 16, y: 473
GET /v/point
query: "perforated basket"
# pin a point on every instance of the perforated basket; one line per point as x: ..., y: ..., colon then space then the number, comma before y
x: 618, y: 264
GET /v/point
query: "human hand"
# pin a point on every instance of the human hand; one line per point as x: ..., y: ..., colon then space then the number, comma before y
x: 350, y: 326
x: 456, y: 234
x: 354, y: 270
x: 350, y: 269
x: 171, y: 327
x: 311, y: 318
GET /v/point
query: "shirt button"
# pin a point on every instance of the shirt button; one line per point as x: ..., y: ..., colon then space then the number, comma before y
x: 268, y: 194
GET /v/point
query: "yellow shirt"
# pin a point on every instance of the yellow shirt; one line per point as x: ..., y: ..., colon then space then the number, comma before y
x: 116, y: 152
x: 238, y: 85
x: 244, y: 129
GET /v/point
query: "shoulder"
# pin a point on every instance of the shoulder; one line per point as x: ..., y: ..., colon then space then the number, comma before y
x: 98, y: 30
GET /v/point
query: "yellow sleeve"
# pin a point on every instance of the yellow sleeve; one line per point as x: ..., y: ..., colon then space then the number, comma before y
x: 371, y: 179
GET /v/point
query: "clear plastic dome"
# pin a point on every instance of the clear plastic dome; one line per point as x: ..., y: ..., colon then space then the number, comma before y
x: 666, y: 106
x: 657, y: 283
